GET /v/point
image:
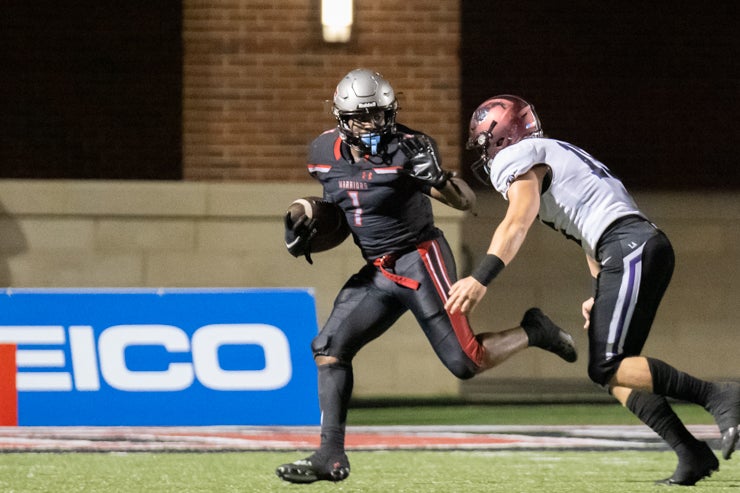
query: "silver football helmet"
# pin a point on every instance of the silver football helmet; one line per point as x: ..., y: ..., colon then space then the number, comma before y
x: 365, y: 108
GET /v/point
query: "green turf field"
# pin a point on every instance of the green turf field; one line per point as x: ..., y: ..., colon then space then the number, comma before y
x: 556, y: 414
x: 387, y: 472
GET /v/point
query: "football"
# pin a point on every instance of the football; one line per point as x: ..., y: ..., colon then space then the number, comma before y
x: 331, y: 225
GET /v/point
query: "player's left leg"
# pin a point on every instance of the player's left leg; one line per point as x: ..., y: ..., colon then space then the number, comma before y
x: 535, y: 330
x: 467, y: 354
x: 543, y: 333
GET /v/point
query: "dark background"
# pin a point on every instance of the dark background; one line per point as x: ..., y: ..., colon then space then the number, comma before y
x: 93, y: 89
x: 649, y: 88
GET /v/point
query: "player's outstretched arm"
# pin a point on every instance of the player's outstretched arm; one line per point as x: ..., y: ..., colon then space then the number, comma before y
x: 456, y: 193
x: 524, y: 203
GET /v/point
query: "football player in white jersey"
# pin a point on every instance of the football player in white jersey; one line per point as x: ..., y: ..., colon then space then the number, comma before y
x: 630, y: 259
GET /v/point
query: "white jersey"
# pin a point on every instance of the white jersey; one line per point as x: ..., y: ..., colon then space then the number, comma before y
x: 583, y: 198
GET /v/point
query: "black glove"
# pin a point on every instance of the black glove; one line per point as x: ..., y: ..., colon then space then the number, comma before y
x: 423, y: 162
x: 298, y: 236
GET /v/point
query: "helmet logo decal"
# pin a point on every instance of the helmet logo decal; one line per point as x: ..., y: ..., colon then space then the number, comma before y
x: 480, y: 114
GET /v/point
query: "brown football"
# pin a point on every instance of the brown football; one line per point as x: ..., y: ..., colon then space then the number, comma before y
x: 331, y: 225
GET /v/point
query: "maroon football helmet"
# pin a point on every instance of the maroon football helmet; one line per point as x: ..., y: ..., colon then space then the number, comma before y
x: 497, y: 123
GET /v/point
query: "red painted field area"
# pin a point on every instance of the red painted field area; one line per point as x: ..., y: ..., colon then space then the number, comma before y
x: 215, y: 439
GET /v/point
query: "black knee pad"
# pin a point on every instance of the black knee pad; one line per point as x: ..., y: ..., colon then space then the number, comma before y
x: 462, y: 369
x: 320, y: 345
x: 602, y: 371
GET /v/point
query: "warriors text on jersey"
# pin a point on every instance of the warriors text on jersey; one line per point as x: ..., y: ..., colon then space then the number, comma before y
x: 583, y: 216
x: 387, y: 210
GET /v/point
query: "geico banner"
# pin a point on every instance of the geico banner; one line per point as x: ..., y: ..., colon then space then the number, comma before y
x: 162, y: 357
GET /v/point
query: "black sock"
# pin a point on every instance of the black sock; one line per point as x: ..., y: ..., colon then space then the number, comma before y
x: 534, y: 327
x: 671, y: 382
x: 335, y: 388
x: 654, y: 411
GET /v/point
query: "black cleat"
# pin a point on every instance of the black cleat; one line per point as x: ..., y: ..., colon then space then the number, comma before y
x: 313, y: 469
x: 729, y: 441
x: 724, y: 404
x: 700, y: 466
x: 543, y: 333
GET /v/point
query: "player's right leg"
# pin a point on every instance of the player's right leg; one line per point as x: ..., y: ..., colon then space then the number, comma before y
x: 724, y: 404
x: 329, y: 462
x: 316, y: 467
x: 722, y: 399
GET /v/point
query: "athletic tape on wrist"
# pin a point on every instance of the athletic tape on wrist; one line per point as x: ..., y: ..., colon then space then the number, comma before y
x: 488, y: 269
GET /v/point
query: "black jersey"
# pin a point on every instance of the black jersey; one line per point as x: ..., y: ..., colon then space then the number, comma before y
x: 387, y: 210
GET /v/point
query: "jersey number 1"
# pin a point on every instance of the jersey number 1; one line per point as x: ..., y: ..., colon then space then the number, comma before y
x: 355, y: 196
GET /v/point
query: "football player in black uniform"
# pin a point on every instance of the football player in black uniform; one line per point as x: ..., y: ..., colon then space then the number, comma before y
x: 382, y: 175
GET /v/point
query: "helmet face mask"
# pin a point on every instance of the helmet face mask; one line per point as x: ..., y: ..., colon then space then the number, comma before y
x: 481, y: 169
x: 365, y: 129
x: 498, y: 123
x: 365, y: 108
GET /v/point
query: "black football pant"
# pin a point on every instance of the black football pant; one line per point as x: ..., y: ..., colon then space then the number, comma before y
x: 637, y: 263
x: 370, y: 302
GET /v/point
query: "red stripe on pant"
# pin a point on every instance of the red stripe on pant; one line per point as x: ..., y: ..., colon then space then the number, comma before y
x: 8, y: 390
x: 432, y: 258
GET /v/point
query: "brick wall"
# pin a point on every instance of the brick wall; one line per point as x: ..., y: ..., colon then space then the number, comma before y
x: 257, y: 75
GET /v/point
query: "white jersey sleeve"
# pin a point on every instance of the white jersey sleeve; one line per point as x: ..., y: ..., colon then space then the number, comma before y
x: 583, y: 199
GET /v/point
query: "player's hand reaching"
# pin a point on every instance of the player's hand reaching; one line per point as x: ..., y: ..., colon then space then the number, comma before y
x: 465, y: 295
x: 586, y: 311
x: 423, y: 161
x: 298, y: 236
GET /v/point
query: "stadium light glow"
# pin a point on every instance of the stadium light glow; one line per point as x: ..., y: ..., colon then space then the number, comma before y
x: 336, y: 20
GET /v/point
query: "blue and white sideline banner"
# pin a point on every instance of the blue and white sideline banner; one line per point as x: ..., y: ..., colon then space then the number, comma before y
x: 162, y: 357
